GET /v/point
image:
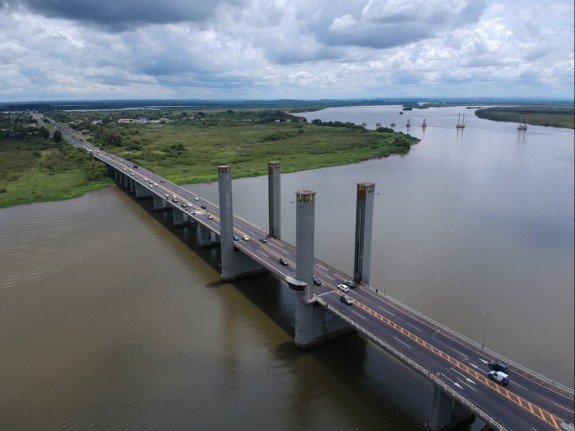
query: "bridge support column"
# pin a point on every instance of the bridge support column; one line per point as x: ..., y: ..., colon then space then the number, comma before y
x: 160, y: 204
x: 203, y: 236
x: 142, y: 191
x: 363, y: 229
x: 132, y: 186
x: 179, y: 218
x: 126, y: 181
x: 234, y: 263
x: 447, y: 414
x: 441, y: 406
x: 274, y: 197
x: 313, y: 324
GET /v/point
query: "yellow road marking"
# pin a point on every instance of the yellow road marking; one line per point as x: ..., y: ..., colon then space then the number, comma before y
x: 544, y: 415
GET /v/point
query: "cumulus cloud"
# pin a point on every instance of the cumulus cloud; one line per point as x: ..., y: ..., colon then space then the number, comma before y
x: 124, y: 14
x: 276, y: 49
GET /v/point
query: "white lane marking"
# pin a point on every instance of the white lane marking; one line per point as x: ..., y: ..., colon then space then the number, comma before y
x: 356, y: 313
x: 405, y: 344
x: 484, y: 361
x: 414, y: 327
x: 466, y: 378
x: 453, y: 348
x: 521, y: 386
x: 563, y: 407
x: 474, y: 366
x: 326, y: 293
x: 457, y: 384
x: 331, y: 278
x: 473, y: 389
x: 387, y: 311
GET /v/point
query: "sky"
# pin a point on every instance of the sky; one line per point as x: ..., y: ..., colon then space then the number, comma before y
x: 275, y: 49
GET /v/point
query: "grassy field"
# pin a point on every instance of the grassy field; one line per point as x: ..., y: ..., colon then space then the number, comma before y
x: 186, y: 148
x: 33, y: 169
x: 187, y: 153
x: 536, y: 115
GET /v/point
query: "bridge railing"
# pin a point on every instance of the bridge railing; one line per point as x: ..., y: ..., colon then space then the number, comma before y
x: 475, y: 344
x: 427, y: 319
x: 416, y: 366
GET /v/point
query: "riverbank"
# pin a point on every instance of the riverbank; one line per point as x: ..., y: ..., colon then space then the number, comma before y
x: 549, y: 116
x: 187, y: 151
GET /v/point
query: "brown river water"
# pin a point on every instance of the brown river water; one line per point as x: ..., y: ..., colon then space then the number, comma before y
x: 109, y: 320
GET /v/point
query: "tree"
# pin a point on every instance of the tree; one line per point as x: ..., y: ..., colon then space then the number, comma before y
x: 57, y: 136
x: 44, y: 133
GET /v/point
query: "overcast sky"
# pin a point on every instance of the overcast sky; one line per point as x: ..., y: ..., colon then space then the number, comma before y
x: 270, y: 49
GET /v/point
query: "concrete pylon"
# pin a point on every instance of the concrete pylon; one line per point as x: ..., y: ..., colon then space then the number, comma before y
x: 313, y: 325
x: 363, y: 232
x: 305, y: 229
x: 274, y: 196
x: 226, y: 223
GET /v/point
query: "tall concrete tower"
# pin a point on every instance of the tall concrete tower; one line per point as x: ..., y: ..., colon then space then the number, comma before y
x: 304, y: 249
x: 226, y: 223
x: 363, y: 231
x: 274, y: 196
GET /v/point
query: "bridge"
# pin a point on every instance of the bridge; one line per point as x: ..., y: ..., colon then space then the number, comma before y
x: 456, y: 365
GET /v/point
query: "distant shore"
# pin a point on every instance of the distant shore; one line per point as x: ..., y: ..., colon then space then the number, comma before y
x: 548, y: 116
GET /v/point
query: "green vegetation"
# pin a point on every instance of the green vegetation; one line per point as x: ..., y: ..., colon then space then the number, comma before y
x: 183, y: 145
x: 553, y: 116
x: 188, y: 150
x: 34, y: 168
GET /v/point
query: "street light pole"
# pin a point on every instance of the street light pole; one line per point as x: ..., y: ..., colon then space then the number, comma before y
x: 484, y: 330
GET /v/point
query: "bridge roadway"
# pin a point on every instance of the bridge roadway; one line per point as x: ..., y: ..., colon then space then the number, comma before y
x: 454, y: 363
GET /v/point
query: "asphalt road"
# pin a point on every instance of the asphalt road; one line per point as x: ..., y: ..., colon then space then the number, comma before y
x: 528, y: 402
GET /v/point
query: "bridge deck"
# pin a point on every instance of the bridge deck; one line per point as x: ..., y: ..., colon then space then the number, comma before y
x: 454, y: 363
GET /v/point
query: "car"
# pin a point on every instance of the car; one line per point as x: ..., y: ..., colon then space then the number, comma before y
x: 346, y: 299
x: 202, y: 206
x: 343, y: 287
x: 210, y: 217
x: 167, y: 196
x: 196, y: 198
x: 349, y: 283
x: 284, y: 262
x: 246, y: 238
x: 135, y: 166
x: 498, y: 366
x: 499, y: 376
x: 316, y: 281
x: 236, y: 238
x: 184, y: 205
x: 263, y: 239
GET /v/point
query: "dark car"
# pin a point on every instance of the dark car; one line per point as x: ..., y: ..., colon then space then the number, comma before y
x: 236, y: 238
x: 498, y: 366
x: 203, y: 206
x: 346, y: 299
x: 284, y: 262
x: 350, y: 283
x: 263, y: 239
x: 316, y: 281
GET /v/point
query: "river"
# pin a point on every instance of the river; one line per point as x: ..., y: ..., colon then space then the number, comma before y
x: 109, y: 320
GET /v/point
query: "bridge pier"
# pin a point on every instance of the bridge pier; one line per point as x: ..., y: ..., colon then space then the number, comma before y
x: 132, y: 183
x: 446, y: 413
x: 142, y: 191
x: 363, y: 229
x: 235, y: 264
x: 313, y: 325
x: 203, y: 236
x: 178, y: 217
x: 160, y: 204
x: 274, y: 197
x: 125, y: 181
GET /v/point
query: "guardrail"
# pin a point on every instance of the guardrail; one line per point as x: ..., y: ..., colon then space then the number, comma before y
x: 420, y: 369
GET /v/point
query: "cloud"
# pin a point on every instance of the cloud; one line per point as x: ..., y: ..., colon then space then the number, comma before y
x: 122, y: 15
x: 284, y: 49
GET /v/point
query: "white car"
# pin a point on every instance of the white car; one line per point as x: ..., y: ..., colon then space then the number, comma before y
x: 246, y: 238
x: 343, y: 287
x: 196, y: 198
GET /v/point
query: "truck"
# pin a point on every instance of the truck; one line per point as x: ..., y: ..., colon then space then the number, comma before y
x: 499, y: 377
